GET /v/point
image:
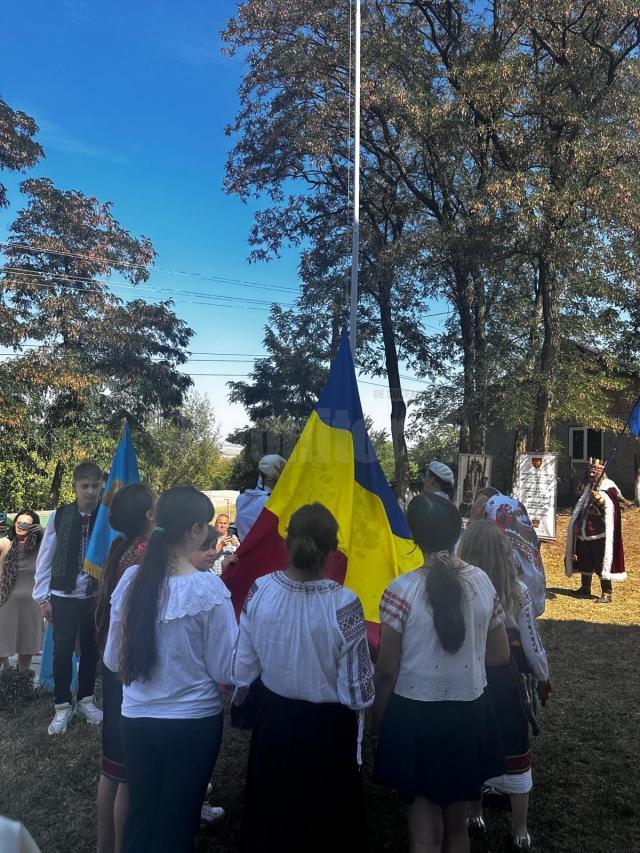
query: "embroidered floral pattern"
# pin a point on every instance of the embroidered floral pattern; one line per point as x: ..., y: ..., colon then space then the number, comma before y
x: 365, y: 671
x: 351, y: 620
x: 497, y: 617
x: 308, y: 587
x: 250, y: 594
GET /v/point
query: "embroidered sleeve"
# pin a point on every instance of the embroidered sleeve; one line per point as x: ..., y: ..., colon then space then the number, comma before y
x: 497, y: 616
x: 394, y: 610
x: 355, y: 671
x: 245, y: 663
x: 530, y: 639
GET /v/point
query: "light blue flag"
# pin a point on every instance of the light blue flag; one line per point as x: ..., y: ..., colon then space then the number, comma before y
x: 124, y: 470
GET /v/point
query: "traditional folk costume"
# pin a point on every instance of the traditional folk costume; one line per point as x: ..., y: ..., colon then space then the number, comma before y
x: 594, y: 537
x: 511, y: 516
x: 113, y: 765
x: 60, y: 577
x: 512, y: 688
x: 306, y: 640
x: 439, y: 738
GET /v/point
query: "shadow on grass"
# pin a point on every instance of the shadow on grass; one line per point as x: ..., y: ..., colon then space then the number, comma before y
x: 586, y: 793
x: 563, y: 591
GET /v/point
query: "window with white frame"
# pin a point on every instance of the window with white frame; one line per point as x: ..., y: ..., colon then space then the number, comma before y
x: 585, y: 443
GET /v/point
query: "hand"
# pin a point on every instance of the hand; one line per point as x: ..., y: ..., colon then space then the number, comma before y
x: 47, y: 611
x: 544, y: 692
x: 229, y: 560
x: 574, y: 558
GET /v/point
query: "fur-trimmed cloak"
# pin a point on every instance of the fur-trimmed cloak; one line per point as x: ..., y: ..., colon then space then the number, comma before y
x: 613, y: 567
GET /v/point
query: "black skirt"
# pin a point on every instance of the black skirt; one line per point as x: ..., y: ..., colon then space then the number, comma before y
x: 504, y: 689
x: 443, y: 751
x: 112, y: 750
x: 304, y: 790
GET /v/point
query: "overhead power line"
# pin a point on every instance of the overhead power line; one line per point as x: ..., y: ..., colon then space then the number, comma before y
x: 25, y: 247
x: 201, y: 276
x: 76, y: 281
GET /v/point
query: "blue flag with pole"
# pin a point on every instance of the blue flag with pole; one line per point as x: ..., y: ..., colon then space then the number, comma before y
x: 124, y: 470
x: 634, y: 419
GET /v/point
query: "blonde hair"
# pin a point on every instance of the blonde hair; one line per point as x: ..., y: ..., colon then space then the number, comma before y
x: 486, y: 546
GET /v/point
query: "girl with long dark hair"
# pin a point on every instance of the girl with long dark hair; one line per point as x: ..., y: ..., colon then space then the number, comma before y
x: 304, y: 637
x: 20, y: 617
x: 171, y: 638
x: 130, y: 515
x: 438, y: 736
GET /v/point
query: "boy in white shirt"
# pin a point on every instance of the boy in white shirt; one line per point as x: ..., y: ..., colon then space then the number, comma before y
x: 66, y: 594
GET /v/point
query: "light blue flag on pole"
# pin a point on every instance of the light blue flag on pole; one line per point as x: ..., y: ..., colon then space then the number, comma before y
x: 124, y: 470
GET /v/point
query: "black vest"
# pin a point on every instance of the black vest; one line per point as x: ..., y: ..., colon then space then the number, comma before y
x: 66, y: 567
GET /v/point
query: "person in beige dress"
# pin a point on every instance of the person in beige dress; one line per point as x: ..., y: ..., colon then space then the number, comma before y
x: 20, y: 616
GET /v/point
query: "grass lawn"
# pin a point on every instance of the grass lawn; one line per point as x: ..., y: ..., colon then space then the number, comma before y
x: 586, y: 794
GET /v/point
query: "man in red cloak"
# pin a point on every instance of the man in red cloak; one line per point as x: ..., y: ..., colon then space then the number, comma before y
x: 594, y: 536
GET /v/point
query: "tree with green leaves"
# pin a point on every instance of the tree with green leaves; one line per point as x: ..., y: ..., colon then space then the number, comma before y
x: 184, y: 449
x: 18, y: 148
x: 287, y: 381
x: 512, y: 128
x: 84, y: 357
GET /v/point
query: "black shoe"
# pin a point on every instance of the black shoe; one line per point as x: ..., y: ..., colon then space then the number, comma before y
x: 582, y: 593
x: 605, y: 598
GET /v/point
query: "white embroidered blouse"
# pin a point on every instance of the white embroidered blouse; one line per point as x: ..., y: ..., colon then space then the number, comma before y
x: 195, y: 634
x: 427, y: 672
x: 525, y: 623
x: 306, y: 640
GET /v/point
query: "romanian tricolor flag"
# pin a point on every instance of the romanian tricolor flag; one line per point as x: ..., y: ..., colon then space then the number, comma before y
x: 124, y: 470
x: 334, y: 463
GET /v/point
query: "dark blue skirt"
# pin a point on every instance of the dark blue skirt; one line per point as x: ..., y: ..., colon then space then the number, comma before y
x: 112, y: 749
x: 304, y: 791
x: 443, y: 751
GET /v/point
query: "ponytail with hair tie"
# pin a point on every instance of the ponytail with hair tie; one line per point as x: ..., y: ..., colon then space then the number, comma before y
x: 435, y: 525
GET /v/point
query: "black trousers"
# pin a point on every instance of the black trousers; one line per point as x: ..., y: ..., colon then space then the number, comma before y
x: 73, y: 618
x: 169, y: 764
x: 590, y: 554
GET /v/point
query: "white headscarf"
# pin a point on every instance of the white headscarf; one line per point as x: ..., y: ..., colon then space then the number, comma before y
x: 271, y: 466
x: 513, y: 519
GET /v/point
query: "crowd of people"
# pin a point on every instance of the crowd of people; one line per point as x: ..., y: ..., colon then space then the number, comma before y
x: 453, y: 694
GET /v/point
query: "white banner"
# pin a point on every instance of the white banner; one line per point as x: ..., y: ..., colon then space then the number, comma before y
x: 474, y: 473
x: 536, y: 487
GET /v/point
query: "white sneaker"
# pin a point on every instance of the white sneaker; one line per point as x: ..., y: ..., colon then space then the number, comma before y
x: 210, y: 814
x: 62, y: 718
x: 88, y: 709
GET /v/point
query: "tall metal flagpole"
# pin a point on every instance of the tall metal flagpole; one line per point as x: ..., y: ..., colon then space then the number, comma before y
x: 355, y: 246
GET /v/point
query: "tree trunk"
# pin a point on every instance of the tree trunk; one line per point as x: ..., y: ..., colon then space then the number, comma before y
x: 463, y: 298
x: 398, y: 406
x: 56, y: 485
x: 550, y: 356
x: 478, y: 432
x: 519, y: 446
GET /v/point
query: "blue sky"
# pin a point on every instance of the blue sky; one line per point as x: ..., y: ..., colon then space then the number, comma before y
x: 132, y: 100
